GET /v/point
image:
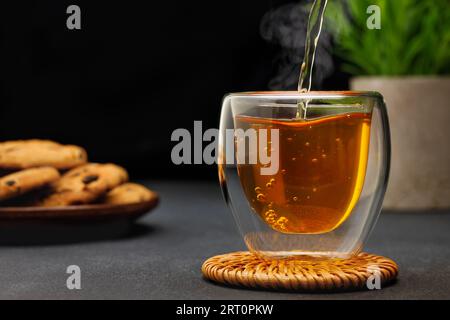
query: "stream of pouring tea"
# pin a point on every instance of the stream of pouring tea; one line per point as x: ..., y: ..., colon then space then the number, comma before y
x: 313, y: 31
x: 322, y: 163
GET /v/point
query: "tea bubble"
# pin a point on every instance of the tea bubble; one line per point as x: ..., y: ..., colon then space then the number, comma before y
x: 282, y: 220
x: 270, y: 183
x: 258, y: 190
x: 307, y: 144
x: 271, y: 218
x: 314, y: 160
x: 295, y: 198
x: 261, y: 197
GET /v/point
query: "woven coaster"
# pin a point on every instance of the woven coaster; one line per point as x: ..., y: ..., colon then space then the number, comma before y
x: 244, y: 269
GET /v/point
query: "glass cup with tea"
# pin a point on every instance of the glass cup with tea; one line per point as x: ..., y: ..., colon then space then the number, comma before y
x: 304, y: 174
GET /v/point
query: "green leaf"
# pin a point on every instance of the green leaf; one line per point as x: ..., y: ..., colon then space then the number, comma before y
x: 414, y: 36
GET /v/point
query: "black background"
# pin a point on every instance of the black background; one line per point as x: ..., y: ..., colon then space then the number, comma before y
x: 135, y: 71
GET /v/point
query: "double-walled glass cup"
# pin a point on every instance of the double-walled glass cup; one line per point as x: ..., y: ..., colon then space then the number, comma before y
x: 304, y: 174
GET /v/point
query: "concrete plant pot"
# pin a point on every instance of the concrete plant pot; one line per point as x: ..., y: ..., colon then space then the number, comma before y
x: 419, y: 116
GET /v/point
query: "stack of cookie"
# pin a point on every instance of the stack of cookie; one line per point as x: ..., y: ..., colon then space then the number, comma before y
x: 45, y: 173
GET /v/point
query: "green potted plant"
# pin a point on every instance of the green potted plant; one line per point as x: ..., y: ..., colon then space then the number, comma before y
x: 408, y: 61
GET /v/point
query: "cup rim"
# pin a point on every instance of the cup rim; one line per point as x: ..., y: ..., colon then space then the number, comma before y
x: 309, y: 94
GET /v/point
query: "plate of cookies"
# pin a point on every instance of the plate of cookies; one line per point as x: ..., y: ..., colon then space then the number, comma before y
x: 45, y: 180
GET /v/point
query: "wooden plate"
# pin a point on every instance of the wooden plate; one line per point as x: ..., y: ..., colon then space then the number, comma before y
x: 79, y: 212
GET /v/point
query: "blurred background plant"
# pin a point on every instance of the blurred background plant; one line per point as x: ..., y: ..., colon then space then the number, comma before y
x: 414, y: 38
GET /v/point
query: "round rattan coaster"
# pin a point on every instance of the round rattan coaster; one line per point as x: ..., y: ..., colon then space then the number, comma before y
x: 244, y: 269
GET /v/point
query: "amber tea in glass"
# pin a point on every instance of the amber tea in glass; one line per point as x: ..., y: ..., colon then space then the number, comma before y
x: 322, y: 164
x: 332, y: 170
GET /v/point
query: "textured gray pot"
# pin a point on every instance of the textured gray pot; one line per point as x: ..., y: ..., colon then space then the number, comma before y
x: 419, y: 114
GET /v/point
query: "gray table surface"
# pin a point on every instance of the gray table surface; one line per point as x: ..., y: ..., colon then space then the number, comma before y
x: 161, y: 256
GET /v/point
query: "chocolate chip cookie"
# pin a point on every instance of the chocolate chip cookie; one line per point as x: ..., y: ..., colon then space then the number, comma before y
x: 23, y: 154
x: 128, y: 193
x: 113, y: 174
x: 84, y: 184
x: 18, y: 183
